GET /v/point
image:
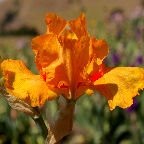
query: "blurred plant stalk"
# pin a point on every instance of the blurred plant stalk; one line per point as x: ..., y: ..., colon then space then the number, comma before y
x: 63, y: 121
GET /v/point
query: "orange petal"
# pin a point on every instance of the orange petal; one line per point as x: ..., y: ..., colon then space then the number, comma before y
x: 99, y: 49
x: 48, y: 54
x: 79, y: 26
x: 22, y: 83
x: 55, y: 24
x: 46, y: 43
x: 81, y: 56
x: 119, y: 85
x: 69, y: 34
x: 50, y: 63
x: 76, y: 59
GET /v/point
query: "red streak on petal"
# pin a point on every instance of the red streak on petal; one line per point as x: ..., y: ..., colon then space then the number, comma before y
x: 81, y: 84
x: 44, y: 77
x: 96, y: 76
x: 102, y: 66
x: 63, y: 86
x: 91, y: 58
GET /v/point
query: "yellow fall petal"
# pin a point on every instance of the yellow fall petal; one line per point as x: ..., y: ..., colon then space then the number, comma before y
x: 119, y: 85
x: 23, y: 84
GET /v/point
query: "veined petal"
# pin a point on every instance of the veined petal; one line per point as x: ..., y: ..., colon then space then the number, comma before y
x: 76, y: 58
x: 55, y: 24
x: 100, y: 50
x: 69, y: 34
x: 79, y: 26
x: 81, y: 56
x: 48, y: 55
x: 23, y: 84
x: 120, y: 84
x: 46, y: 43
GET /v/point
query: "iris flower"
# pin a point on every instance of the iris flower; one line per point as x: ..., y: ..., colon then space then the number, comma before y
x: 70, y: 63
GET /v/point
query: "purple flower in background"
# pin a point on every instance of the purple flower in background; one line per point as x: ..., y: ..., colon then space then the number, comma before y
x: 20, y: 44
x: 117, y: 16
x: 132, y: 65
x: 138, y: 12
x: 138, y: 34
x: 119, y: 33
x: 115, y: 58
x: 105, y: 61
x: 133, y: 107
x: 139, y: 60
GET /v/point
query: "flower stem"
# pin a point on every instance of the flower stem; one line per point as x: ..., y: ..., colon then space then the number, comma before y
x: 63, y: 121
x: 41, y: 125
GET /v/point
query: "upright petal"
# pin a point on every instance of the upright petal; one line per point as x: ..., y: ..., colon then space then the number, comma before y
x: 81, y: 57
x: 100, y: 50
x: 79, y: 26
x: 69, y: 34
x: 46, y: 43
x: 119, y: 85
x: 55, y: 24
x: 48, y: 55
x: 76, y: 59
x: 23, y: 84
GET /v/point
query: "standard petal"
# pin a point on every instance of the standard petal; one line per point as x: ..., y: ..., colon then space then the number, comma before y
x: 100, y: 50
x: 48, y: 55
x: 97, y: 52
x: 48, y: 43
x: 79, y: 26
x: 55, y: 24
x: 119, y: 85
x: 75, y: 59
x: 23, y: 84
x: 69, y: 34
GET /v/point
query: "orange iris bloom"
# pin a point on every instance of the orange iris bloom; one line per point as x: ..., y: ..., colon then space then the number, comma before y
x: 70, y: 62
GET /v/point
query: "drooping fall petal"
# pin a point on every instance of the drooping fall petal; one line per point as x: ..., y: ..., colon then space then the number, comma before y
x: 55, y: 24
x: 120, y: 84
x: 23, y: 84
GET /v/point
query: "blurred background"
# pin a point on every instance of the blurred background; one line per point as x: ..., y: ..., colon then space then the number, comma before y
x: 121, y: 23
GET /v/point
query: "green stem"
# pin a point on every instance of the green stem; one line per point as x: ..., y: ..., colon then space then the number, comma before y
x: 41, y: 125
